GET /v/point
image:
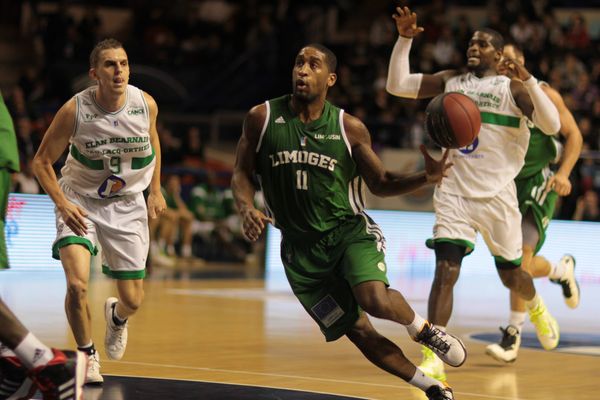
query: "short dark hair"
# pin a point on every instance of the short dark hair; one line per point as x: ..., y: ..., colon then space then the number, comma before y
x: 330, y: 58
x: 497, y: 39
x: 518, y: 49
x: 106, y: 44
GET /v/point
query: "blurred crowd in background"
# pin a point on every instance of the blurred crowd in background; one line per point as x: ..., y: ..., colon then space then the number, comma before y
x: 198, y: 58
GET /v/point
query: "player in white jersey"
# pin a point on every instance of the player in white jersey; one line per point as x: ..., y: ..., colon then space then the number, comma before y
x: 479, y: 194
x: 537, y: 190
x: 114, y: 155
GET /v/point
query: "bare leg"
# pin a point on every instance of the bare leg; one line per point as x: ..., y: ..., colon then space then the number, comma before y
x: 441, y: 297
x: 76, y: 262
x: 382, y: 302
x: 131, y: 296
x: 380, y: 350
x: 13, y: 332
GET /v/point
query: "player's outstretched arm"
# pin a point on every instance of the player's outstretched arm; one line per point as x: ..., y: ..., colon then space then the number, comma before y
x: 530, y: 98
x: 253, y: 220
x: 380, y: 181
x: 570, y: 131
x: 156, y: 201
x: 400, y: 82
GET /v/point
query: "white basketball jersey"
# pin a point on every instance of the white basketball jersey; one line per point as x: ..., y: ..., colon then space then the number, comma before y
x: 110, y: 152
x: 498, y: 154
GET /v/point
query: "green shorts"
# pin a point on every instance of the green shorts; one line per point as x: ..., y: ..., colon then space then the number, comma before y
x: 323, y: 273
x: 532, y: 198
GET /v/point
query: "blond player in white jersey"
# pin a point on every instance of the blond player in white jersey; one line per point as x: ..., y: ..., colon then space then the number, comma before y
x: 479, y: 194
x: 114, y: 155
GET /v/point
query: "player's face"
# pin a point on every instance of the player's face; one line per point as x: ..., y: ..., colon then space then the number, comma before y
x: 311, y: 76
x: 509, y: 52
x: 112, y: 70
x: 481, y: 54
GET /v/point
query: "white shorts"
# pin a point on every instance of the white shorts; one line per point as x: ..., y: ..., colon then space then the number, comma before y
x: 458, y: 219
x: 118, y: 224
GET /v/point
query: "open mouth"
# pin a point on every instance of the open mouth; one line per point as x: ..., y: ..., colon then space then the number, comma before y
x: 301, y: 84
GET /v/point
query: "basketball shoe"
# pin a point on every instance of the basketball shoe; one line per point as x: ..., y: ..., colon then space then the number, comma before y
x: 92, y: 375
x: 508, y: 347
x: 14, y: 382
x: 115, y: 339
x: 432, y: 365
x: 447, y: 347
x: 63, y: 377
x: 439, y: 393
x: 570, y: 287
x: 546, y: 327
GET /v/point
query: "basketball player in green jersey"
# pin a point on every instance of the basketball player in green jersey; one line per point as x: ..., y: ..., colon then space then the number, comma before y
x: 310, y: 159
x: 479, y: 194
x: 537, y: 190
x: 9, y: 163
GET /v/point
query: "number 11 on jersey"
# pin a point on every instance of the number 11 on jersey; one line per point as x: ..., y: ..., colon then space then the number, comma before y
x: 301, y: 180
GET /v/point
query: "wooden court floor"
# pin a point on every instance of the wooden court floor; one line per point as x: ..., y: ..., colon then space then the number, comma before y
x: 234, y: 331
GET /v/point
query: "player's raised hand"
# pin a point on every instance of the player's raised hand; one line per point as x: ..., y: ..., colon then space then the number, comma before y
x: 435, y: 170
x: 406, y: 22
x: 513, y: 69
x: 253, y: 222
x: 74, y: 217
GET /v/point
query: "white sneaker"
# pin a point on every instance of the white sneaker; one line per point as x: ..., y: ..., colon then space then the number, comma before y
x: 506, y: 351
x: 546, y: 327
x: 432, y: 366
x: 447, y: 347
x: 93, y: 372
x: 115, y: 339
x: 570, y: 287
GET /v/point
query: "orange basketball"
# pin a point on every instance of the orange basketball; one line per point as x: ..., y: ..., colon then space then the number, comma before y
x: 452, y: 120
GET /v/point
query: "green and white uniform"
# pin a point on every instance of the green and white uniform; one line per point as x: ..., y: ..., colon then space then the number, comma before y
x: 479, y: 193
x: 533, y: 178
x: 9, y: 163
x: 313, y: 192
x: 110, y: 164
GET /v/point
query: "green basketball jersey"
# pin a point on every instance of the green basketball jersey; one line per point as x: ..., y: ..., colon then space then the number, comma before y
x: 541, y: 151
x: 9, y: 154
x: 308, y: 176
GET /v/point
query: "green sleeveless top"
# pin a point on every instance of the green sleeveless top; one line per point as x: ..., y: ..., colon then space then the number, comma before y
x: 541, y: 152
x: 307, y: 174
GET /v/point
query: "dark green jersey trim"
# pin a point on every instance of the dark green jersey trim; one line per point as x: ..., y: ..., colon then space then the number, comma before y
x: 499, y: 119
x: 88, y: 162
x: 73, y: 240
x: 141, y: 162
x: 123, y: 275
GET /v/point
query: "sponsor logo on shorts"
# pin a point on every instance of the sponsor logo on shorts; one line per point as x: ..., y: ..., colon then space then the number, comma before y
x: 381, y: 266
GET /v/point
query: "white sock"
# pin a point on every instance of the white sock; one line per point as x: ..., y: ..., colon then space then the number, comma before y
x: 32, y: 352
x: 517, y: 319
x: 416, y: 325
x: 557, y: 271
x: 534, y: 303
x: 186, y: 250
x: 5, y: 351
x: 423, y: 381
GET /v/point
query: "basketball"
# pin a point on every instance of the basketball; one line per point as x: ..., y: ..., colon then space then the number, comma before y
x: 452, y: 120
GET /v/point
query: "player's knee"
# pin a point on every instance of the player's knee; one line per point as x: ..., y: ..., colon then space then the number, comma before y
x: 77, y: 290
x: 510, y: 277
x: 133, y: 301
x: 377, y: 305
x: 361, y: 331
x: 446, y: 273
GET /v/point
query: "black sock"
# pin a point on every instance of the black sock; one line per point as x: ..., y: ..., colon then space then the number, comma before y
x: 116, y: 320
x: 89, y: 350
